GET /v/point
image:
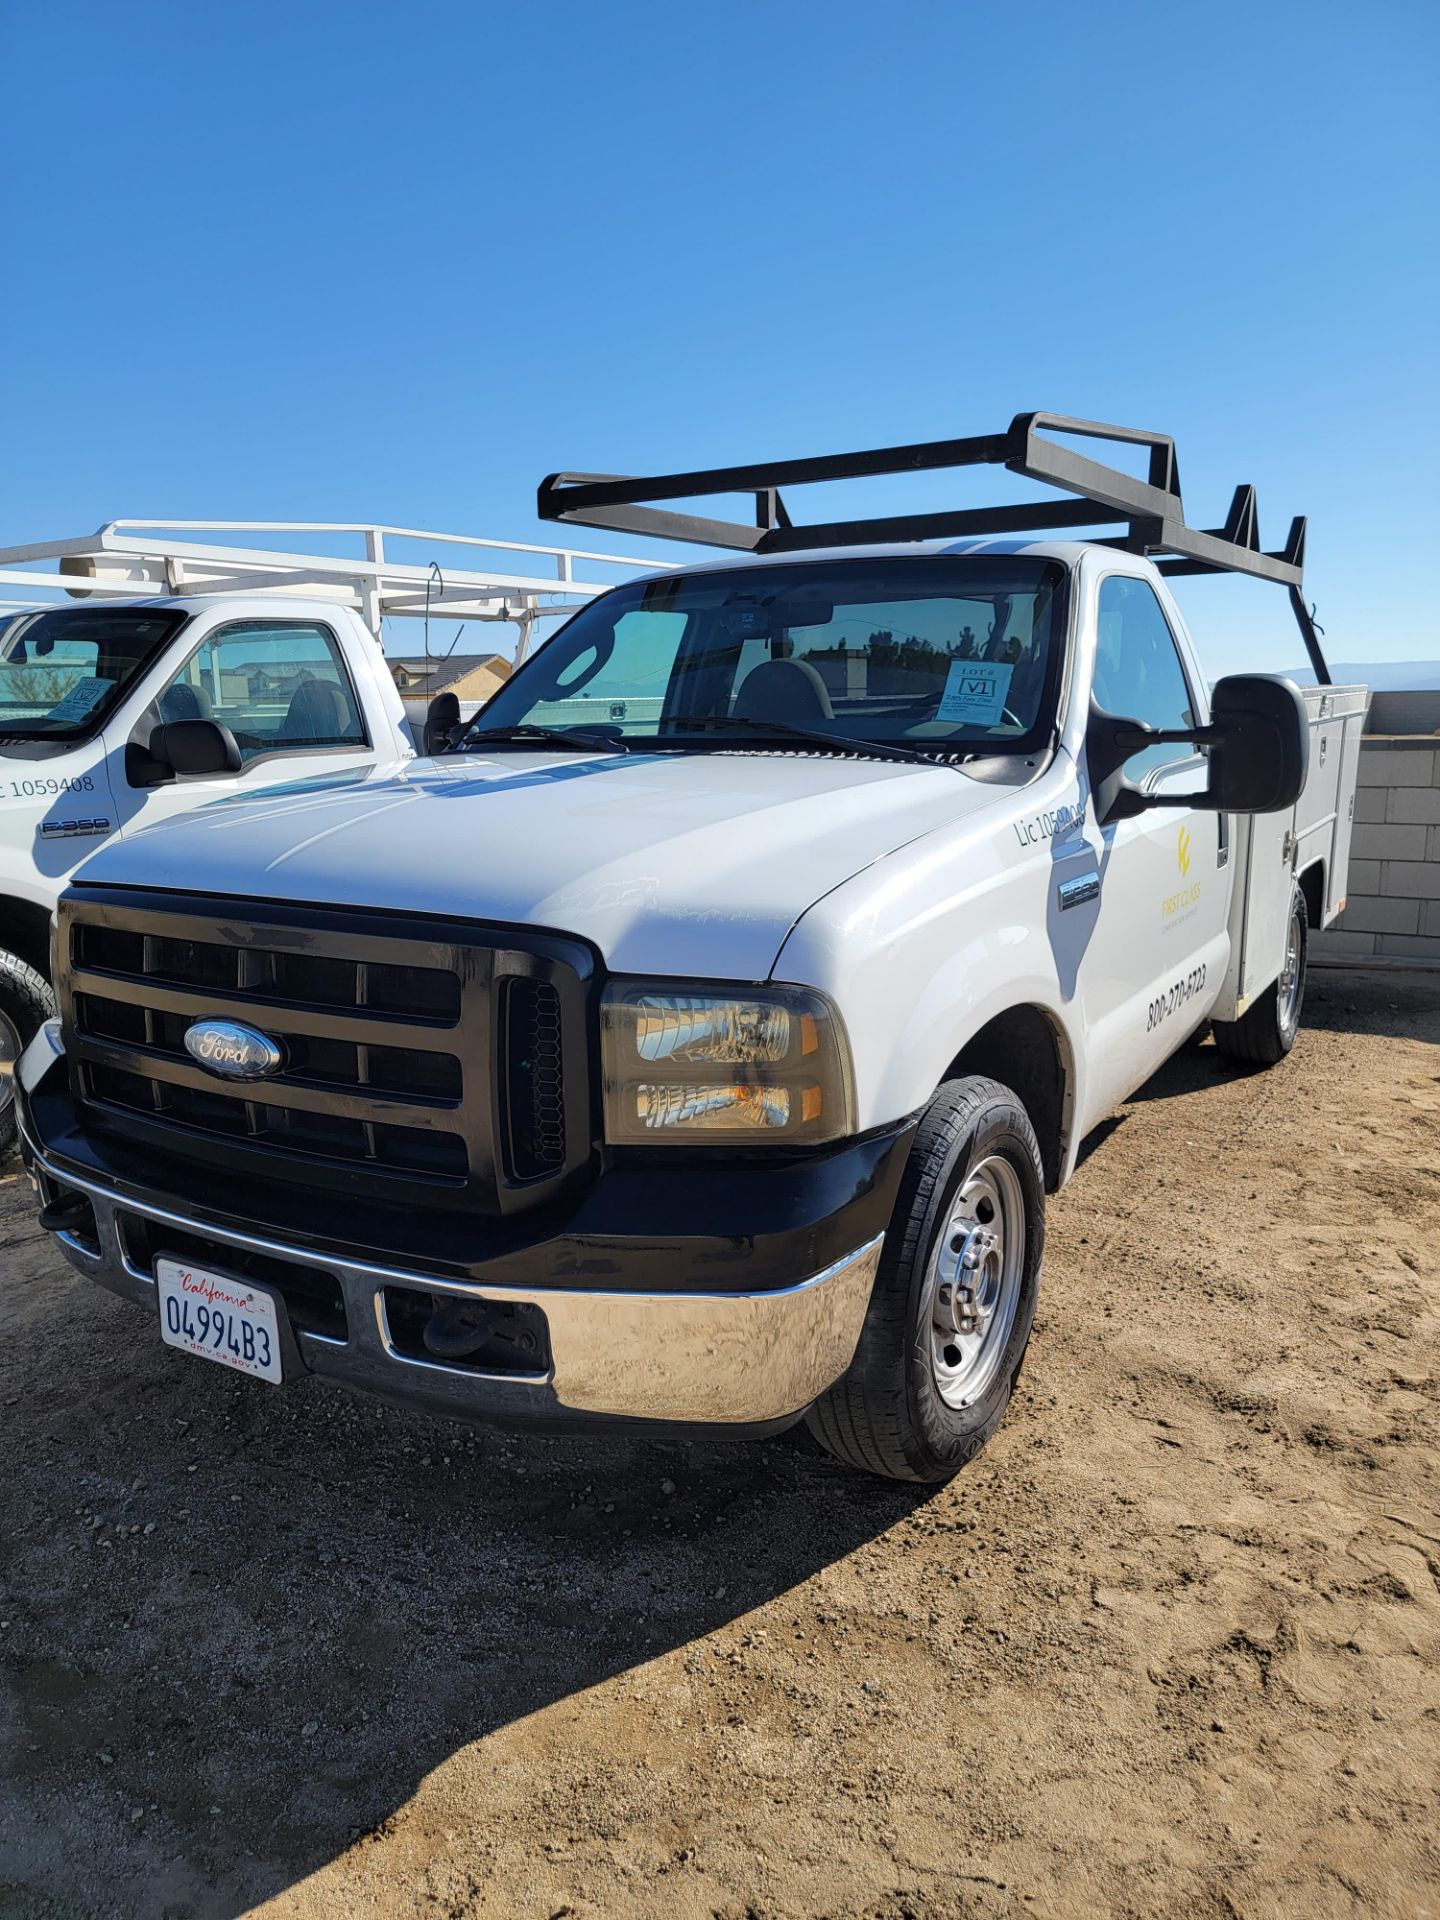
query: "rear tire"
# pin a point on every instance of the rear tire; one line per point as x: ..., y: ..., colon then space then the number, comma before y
x: 25, y: 1003
x: 954, y: 1297
x: 1265, y: 1033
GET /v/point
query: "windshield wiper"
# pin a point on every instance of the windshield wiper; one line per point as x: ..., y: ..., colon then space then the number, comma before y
x: 782, y: 729
x: 583, y: 737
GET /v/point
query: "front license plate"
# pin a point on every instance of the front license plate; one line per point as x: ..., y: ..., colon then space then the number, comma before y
x: 219, y: 1317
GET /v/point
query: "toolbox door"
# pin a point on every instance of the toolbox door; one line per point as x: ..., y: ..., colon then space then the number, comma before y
x: 1260, y: 905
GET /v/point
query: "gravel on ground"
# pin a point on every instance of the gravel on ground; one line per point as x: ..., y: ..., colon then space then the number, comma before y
x: 1170, y: 1646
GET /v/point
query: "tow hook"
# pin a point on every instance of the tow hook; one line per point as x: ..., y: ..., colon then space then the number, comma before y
x: 59, y: 1216
x: 459, y: 1328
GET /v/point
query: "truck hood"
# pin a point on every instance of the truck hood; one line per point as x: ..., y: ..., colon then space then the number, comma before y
x: 693, y: 864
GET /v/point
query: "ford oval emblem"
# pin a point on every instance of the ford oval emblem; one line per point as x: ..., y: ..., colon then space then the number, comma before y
x: 234, y: 1051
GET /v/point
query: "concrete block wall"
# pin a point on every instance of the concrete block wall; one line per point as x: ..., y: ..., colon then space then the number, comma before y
x: 1393, y: 896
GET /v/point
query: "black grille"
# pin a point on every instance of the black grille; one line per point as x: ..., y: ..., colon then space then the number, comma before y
x: 405, y: 1049
x: 270, y: 975
x: 535, y: 1078
x: 310, y: 1059
x: 329, y: 1136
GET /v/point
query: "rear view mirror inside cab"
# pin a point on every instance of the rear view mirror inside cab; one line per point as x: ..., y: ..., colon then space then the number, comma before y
x: 767, y: 620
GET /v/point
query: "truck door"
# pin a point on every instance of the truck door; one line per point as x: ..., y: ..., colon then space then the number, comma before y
x: 1158, y: 951
x: 283, y: 689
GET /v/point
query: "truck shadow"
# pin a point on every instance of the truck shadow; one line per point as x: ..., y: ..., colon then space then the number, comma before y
x: 1196, y: 1067
x: 335, y: 1599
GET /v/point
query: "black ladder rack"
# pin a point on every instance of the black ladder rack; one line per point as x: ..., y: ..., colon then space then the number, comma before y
x: 1150, y: 510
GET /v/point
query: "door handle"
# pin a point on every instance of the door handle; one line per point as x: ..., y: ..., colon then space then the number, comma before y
x: 1075, y: 893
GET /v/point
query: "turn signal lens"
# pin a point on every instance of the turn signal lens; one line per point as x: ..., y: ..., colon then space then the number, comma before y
x: 737, y: 1108
x: 779, y: 1066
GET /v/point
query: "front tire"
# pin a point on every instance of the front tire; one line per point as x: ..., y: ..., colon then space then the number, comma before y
x: 1265, y: 1032
x: 954, y: 1298
x: 24, y: 1003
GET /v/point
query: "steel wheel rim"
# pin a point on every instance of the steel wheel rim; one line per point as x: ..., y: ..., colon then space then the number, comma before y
x: 10, y: 1050
x: 973, y: 1290
x: 1290, y: 972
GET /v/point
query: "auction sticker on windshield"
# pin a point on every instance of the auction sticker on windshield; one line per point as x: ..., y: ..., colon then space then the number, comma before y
x: 220, y: 1318
x: 77, y: 703
x: 975, y: 691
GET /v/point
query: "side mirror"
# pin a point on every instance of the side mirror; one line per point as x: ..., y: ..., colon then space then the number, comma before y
x: 442, y: 717
x: 1262, y: 753
x: 195, y: 746
x: 1259, y: 741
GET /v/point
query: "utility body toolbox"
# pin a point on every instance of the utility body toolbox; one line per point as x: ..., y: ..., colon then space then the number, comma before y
x: 1311, y: 839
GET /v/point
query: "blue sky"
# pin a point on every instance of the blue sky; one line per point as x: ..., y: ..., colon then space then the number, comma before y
x: 350, y: 262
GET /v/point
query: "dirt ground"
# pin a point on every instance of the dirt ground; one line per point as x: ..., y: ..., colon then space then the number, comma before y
x: 1172, y: 1646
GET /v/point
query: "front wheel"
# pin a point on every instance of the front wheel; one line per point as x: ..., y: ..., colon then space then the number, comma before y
x: 954, y: 1296
x: 24, y: 1003
x: 1266, y: 1031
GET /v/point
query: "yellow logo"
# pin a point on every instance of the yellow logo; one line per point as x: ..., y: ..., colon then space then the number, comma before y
x: 1182, y: 850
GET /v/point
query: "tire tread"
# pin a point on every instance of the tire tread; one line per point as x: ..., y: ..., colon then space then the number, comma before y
x: 26, y: 998
x: 1255, y: 1039
x: 863, y: 1420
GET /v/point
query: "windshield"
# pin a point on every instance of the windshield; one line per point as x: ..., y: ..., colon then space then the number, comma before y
x: 931, y: 652
x: 63, y: 669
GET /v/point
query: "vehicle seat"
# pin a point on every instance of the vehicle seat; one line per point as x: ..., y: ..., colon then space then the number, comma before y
x: 318, y: 711
x: 786, y: 690
x: 184, y: 701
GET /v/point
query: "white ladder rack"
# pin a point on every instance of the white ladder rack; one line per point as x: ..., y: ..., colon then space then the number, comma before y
x: 144, y: 558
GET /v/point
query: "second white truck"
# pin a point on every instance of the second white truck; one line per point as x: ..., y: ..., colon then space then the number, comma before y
x: 698, y: 1041
x: 276, y: 650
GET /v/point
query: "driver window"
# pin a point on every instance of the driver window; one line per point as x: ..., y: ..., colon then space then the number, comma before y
x: 627, y: 686
x: 279, y: 686
x: 1138, y: 674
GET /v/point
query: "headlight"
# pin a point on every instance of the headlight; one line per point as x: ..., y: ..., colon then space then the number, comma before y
x: 762, y: 1065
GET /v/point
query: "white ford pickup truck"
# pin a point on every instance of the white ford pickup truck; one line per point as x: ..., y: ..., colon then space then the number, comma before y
x: 698, y: 1040
x: 278, y: 651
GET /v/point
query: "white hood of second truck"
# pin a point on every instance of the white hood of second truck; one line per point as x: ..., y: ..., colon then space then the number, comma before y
x: 693, y: 864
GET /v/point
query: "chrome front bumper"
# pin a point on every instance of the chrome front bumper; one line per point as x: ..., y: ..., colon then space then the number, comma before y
x: 710, y: 1359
